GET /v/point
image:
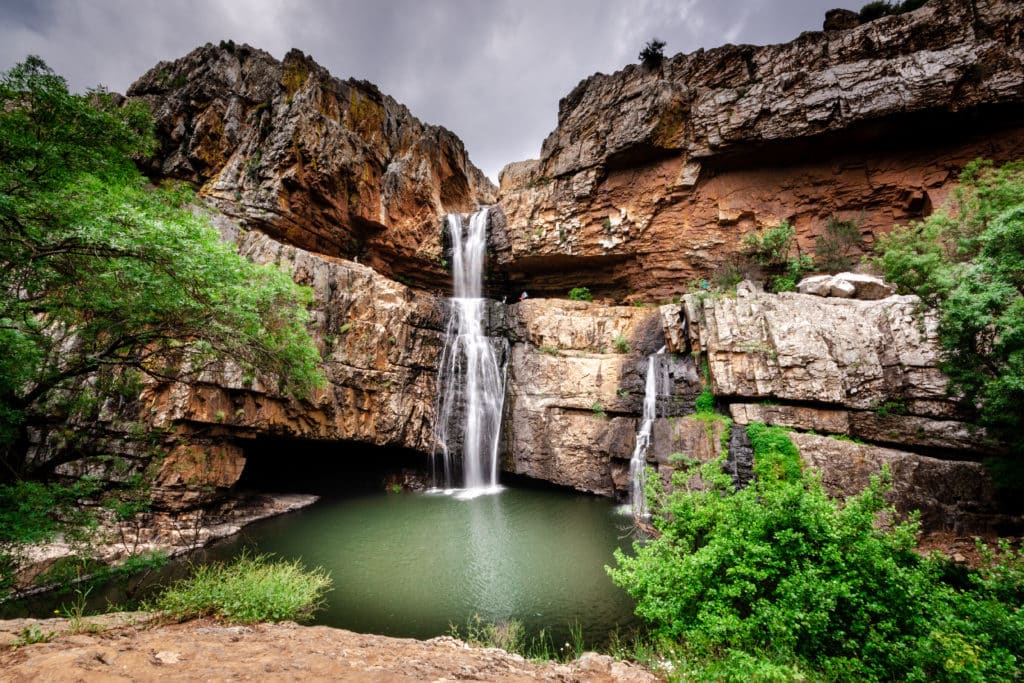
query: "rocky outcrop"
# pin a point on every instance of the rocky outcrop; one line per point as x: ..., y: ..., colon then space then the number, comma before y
x: 127, y: 646
x: 950, y: 494
x: 328, y: 165
x: 866, y: 369
x: 652, y: 177
x: 576, y: 389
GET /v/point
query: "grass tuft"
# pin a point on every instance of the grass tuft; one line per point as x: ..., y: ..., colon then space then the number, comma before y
x: 250, y: 589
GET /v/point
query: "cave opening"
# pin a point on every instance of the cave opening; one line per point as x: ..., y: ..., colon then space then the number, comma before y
x: 329, y: 468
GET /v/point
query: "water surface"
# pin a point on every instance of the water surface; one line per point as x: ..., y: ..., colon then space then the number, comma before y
x: 412, y: 564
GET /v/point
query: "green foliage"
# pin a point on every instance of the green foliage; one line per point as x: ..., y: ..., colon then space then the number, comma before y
x: 705, y: 402
x: 777, y: 581
x: 773, y: 250
x: 580, y: 294
x: 880, y: 8
x: 598, y: 410
x: 653, y: 53
x: 251, y: 589
x: 101, y: 274
x: 621, y: 344
x: 30, y: 635
x: 833, y: 249
x: 967, y: 260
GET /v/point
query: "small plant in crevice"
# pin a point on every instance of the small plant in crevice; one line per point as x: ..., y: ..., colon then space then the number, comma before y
x: 30, y: 635
x: 580, y: 294
x: 621, y: 344
x: 705, y: 402
x: 598, y: 410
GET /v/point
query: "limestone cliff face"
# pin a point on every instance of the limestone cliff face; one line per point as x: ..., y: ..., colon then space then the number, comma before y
x: 328, y: 165
x: 652, y: 177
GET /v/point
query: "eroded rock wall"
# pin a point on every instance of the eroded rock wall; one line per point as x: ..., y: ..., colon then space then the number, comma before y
x: 652, y: 177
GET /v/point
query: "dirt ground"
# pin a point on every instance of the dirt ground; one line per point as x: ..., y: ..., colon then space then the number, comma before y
x: 125, y: 647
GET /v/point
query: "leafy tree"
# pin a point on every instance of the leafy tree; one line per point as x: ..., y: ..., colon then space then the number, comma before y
x: 778, y: 580
x: 104, y: 279
x: 653, y: 53
x: 967, y: 260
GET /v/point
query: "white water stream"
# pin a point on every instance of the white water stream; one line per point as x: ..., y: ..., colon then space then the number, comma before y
x: 653, y: 387
x: 471, y: 380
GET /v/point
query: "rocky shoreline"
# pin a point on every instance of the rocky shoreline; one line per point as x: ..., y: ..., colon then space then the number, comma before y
x: 134, y: 647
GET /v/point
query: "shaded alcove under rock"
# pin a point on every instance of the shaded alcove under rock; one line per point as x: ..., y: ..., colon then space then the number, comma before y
x: 329, y: 468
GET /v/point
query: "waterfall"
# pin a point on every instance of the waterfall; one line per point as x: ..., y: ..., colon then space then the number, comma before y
x: 471, y: 380
x: 653, y: 387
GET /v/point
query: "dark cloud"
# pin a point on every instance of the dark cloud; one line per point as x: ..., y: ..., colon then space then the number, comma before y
x: 492, y: 71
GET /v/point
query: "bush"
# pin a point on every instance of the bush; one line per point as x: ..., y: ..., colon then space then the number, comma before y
x: 621, y: 344
x: 773, y: 251
x: 252, y: 588
x: 967, y: 260
x: 780, y: 581
x: 653, y: 53
x: 834, y: 247
x: 580, y: 294
x: 705, y: 403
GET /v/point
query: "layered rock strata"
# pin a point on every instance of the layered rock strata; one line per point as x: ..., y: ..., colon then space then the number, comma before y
x: 576, y: 387
x: 865, y: 371
x: 653, y: 176
x: 328, y: 165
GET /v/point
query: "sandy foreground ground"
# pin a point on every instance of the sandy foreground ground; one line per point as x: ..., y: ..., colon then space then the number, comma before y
x: 131, y: 647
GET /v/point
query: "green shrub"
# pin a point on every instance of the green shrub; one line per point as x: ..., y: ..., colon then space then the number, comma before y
x: 580, y: 294
x: 621, y: 344
x: 252, y: 588
x: 833, y: 249
x: 773, y: 251
x: 705, y: 402
x: 778, y: 581
x: 967, y: 260
x: 598, y: 410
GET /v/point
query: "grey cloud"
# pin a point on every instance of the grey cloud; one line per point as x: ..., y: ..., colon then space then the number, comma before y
x: 491, y: 71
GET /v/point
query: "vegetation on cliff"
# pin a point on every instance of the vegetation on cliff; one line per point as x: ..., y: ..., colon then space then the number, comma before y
x: 967, y: 260
x: 777, y: 581
x: 104, y: 279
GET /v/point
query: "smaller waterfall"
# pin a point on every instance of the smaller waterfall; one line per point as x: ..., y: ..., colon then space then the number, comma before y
x: 653, y: 388
x: 471, y: 381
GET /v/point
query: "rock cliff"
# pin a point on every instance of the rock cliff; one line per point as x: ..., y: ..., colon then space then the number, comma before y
x: 653, y: 176
x: 650, y: 180
x: 328, y: 165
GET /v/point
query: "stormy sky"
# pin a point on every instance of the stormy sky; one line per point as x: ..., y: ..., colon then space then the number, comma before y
x: 492, y: 71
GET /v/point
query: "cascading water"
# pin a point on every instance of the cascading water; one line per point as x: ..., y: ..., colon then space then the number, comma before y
x: 653, y: 387
x: 471, y: 381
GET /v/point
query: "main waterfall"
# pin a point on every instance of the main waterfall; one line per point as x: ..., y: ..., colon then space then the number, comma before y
x: 471, y: 380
